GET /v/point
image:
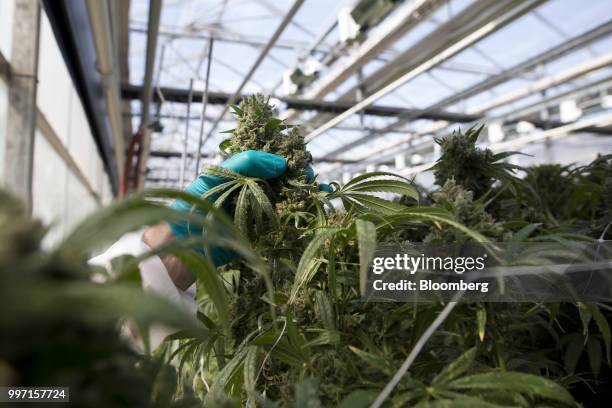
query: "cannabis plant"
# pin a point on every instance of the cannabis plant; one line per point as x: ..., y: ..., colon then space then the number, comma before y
x: 460, y: 202
x: 285, y: 325
x: 471, y: 167
x: 304, y: 338
x: 598, y: 192
x: 61, y: 329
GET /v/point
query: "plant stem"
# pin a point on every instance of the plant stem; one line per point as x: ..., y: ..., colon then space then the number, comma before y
x: 415, y: 352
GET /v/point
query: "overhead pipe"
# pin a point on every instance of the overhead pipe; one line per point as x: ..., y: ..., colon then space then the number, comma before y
x: 549, y: 55
x: 155, y: 7
x: 107, y: 64
x: 444, y: 54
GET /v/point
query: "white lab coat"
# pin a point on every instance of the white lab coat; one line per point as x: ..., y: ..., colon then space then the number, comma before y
x: 154, y: 276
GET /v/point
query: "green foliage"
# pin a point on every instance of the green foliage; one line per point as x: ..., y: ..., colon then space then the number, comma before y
x: 460, y: 203
x: 325, y: 347
x: 472, y: 168
x: 598, y: 177
x: 61, y: 329
x: 285, y: 326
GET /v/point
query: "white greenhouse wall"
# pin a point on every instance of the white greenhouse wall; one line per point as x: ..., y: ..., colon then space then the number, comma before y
x: 3, y: 113
x: 6, y: 19
x: 59, y: 197
x: 6, y: 27
x: 49, y: 187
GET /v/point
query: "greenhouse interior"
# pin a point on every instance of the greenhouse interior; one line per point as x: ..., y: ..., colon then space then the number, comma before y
x: 306, y: 203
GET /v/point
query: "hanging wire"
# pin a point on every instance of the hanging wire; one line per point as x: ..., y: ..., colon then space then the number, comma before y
x: 204, y: 105
x: 186, y: 138
x: 380, y: 399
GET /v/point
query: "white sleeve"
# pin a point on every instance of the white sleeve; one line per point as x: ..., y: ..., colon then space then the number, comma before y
x: 153, y: 273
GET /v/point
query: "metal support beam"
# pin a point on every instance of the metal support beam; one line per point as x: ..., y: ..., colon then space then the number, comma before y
x: 525, y: 113
x: 120, y: 11
x: 545, y: 83
x: 234, y: 38
x: 404, y: 19
x: 193, y: 117
x: 21, y: 121
x: 155, y: 7
x: 466, y: 23
x: 545, y: 57
x: 279, y: 30
x: 604, y: 84
x: 475, y: 22
x: 495, y: 16
x: 311, y: 48
x: 408, y: 15
x: 218, y: 98
x: 106, y: 56
x: 186, y: 137
x: 171, y: 155
x: 479, y: 111
x: 5, y: 68
x: 74, y: 36
x: 549, y: 55
x: 204, y: 106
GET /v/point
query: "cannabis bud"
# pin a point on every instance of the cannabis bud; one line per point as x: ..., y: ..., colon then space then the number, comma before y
x: 259, y: 129
x: 471, y: 167
x: 460, y: 202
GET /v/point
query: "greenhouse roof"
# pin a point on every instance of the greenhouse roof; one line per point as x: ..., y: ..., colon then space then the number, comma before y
x: 517, y: 57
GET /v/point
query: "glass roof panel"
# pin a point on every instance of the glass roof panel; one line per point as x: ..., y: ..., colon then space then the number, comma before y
x: 243, y: 27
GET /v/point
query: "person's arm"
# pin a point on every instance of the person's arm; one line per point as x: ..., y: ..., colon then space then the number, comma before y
x: 249, y: 163
x: 158, y: 235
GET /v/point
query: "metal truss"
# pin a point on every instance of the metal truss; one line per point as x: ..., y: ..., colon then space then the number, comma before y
x: 415, y: 59
x: 131, y: 92
x: 407, y: 146
x: 343, y: 61
x: 493, y: 17
x: 531, y: 64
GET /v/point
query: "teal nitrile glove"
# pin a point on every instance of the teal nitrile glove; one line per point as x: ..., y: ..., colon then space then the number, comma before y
x: 322, y: 186
x: 249, y: 163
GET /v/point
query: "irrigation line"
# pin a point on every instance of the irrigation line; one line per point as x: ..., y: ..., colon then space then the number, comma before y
x: 267, y: 356
x: 263, y: 363
x: 186, y: 137
x: 384, y: 394
x: 204, y: 105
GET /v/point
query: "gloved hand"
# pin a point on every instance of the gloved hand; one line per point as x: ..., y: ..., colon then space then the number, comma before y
x: 249, y: 163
